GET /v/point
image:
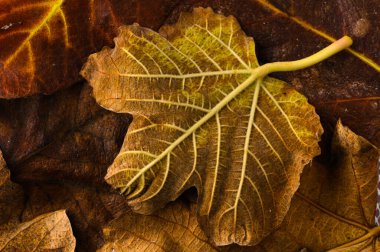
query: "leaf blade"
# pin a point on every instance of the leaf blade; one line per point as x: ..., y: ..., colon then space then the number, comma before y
x: 232, y: 105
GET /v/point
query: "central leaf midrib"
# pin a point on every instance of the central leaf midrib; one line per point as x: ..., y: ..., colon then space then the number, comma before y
x: 188, y: 76
x: 246, y: 145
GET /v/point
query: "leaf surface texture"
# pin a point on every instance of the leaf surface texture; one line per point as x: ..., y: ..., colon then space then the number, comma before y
x: 202, y: 119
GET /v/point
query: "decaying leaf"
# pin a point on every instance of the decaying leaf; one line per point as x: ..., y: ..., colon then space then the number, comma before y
x: 174, y: 228
x: 11, y: 196
x: 335, y: 205
x: 63, y: 136
x: 48, y: 232
x: 199, y: 122
x: 44, y: 43
x: 59, y: 147
x: 89, y: 208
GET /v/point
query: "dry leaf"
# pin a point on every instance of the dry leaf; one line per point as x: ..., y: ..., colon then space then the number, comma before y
x: 50, y: 231
x: 11, y: 196
x: 192, y: 126
x: 341, y: 87
x: 63, y: 136
x: 89, y: 208
x: 335, y: 205
x: 174, y: 228
x: 43, y: 44
x: 59, y: 147
x: 47, y: 232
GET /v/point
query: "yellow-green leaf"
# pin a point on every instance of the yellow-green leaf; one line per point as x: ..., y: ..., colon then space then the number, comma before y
x: 204, y: 116
x: 47, y: 232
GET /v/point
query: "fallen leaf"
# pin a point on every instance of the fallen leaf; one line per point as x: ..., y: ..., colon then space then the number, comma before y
x: 50, y: 231
x: 59, y: 147
x: 342, y: 87
x: 88, y: 208
x: 335, y: 205
x: 193, y: 127
x: 43, y: 44
x: 11, y: 196
x: 62, y: 136
x: 174, y: 228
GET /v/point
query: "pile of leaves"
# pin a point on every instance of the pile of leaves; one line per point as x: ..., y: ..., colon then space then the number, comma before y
x: 174, y: 144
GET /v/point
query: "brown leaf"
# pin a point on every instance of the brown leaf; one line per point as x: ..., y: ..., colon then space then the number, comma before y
x: 278, y: 37
x: 335, y: 204
x: 63, y: 136
x: 202, y: 119
x: 43, y: 44
x: 50, y: 231
x: 59, y: 147
x: 89, y: 208
x: 11, y: 196
x: 174, y: 228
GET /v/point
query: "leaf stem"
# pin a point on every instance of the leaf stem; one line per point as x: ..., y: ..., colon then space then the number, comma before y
x: 323, y: 54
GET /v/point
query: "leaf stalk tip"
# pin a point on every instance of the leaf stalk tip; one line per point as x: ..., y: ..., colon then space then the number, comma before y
x: 286, y: 66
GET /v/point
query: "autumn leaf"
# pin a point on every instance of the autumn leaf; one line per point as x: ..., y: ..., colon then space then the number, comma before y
x: 62, y: 136
x: 46, y: 232
x: 89, y: 208
x: 43, y: 44
x: 59, y: 147
x: 199, y: 122
x: 51, y: 231
x: 174, y: 228
x: 335, y: 205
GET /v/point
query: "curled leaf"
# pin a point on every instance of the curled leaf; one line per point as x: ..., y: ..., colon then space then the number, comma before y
x: 202, y: 119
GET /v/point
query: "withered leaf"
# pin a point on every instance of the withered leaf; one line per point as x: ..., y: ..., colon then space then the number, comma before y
x: 43, y: 44
x: 50, y: 231
x: 89, y: 208
x: 59, y: 147
x: 62, y: 136
x: 335, y: 205
x: 174, y: 228
x: 195, y: 126
x: 11, y: 196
